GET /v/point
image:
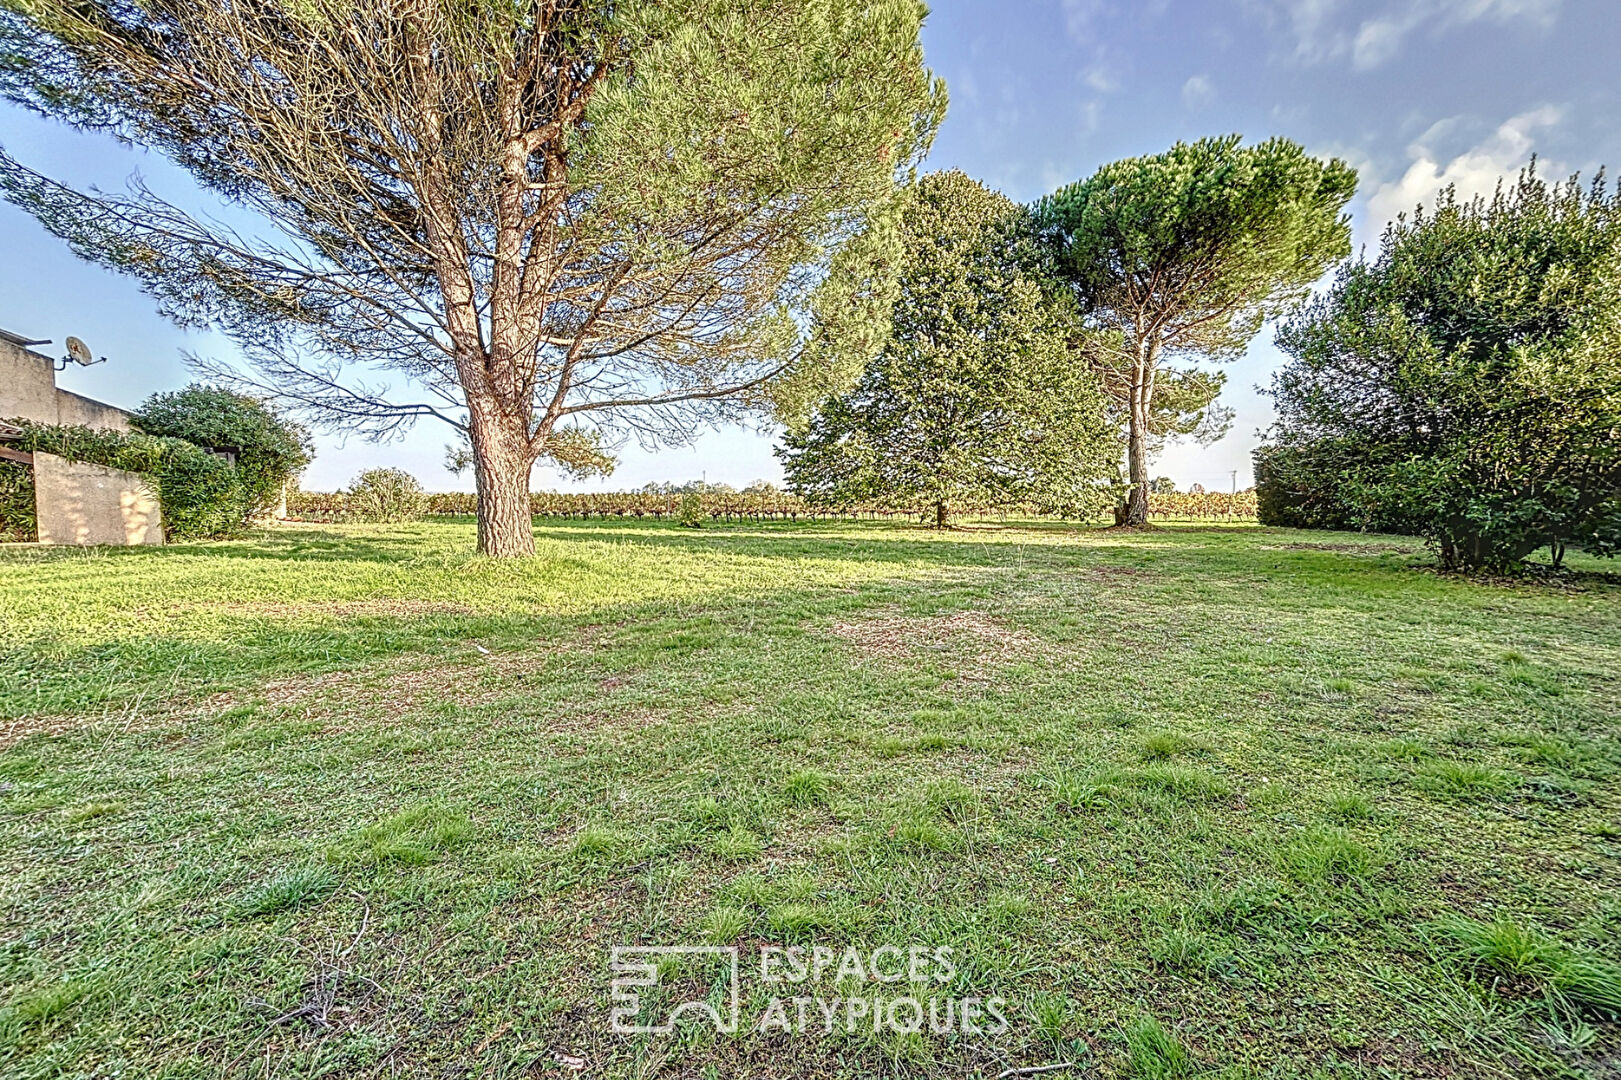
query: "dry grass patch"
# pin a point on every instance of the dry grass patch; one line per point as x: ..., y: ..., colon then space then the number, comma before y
x: 390, y: 607
x: 900, y: 637
x: 1345, y: 548
x: 406, y: 684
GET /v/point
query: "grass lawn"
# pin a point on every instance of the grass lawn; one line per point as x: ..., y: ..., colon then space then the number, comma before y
x: 1202, y: 801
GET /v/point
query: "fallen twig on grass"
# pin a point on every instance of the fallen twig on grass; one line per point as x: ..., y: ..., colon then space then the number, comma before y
x: 1032, y: 1070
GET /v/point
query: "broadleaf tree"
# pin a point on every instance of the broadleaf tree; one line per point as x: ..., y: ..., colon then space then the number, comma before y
x: 974, y: 400
x: 1184, y: 255
x: 1465, y: 383
x: 559, y: 223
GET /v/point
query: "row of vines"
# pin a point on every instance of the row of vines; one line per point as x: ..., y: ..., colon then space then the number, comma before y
x: 763, y: 506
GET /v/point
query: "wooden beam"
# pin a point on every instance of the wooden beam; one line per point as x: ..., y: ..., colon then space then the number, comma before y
x: 7, y: 454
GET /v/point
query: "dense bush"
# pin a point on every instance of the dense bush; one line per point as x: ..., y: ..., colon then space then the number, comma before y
x: 1306, y: 487
x: 386, y: 495
x: 269, y: 450
x: 1295, y: 489
x: 18, y: 520
x: 1466, y: 384
x: 691, y: 510
x: 201, y: 495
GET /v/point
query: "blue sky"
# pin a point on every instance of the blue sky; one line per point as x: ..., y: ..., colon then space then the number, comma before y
x: 1415, y: 94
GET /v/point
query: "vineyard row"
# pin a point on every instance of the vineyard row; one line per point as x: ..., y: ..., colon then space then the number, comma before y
x: 778, y: 506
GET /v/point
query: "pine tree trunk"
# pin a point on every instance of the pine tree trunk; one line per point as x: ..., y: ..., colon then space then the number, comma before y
x: 1136, y: 510
x: 501, y: 470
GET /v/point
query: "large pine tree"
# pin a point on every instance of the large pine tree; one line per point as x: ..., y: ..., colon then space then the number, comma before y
x: 557, y: 221
x: 1183, y: 255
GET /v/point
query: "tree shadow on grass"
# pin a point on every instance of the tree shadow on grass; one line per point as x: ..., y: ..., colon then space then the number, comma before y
x: 904, y: 545
x: 303, y: 630
x: 240, y: 642
x: 273, y: 545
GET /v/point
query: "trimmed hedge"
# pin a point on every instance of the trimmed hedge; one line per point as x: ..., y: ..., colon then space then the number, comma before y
x: 201, y: 495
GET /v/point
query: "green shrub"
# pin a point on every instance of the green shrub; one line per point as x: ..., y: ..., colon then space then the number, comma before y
x: 1304, y: 486
x: 1464, y: 384
x: 386, y: 495
x: 269, y: 450
x: 18, y: 520
x: 691, y: 511
x: 201, y: 494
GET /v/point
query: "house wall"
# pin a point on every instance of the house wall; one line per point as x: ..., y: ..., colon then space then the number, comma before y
x: 79, y: 503
x: 71, y: 408
x: 76, y: 503
x: 27, y: 385
x: 28, y: 390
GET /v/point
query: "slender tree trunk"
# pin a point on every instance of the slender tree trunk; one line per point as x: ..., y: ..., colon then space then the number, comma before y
x: 501, y: 465
x: 940, y: 515
x: 1136, y: 510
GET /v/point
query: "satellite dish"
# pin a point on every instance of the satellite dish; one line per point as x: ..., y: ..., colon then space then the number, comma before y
x: 79, y: 352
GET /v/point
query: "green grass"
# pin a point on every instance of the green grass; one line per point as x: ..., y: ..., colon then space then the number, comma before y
x: 1152, y: 1053
x: 296, y: 887
x: 1195, y: 802
x: 1585, y: 979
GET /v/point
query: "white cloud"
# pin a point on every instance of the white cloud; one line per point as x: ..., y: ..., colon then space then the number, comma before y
x: 1476, y: 171
x: 1332, y: 29
x: 1091, y: 116
x: 1309, y: 24
x: 965, y: 88
x: 1198, y: 92
x: 1079, y: 15
x: 1055, y: 175
x: 1101, y: 79
x: 1379, y: 40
